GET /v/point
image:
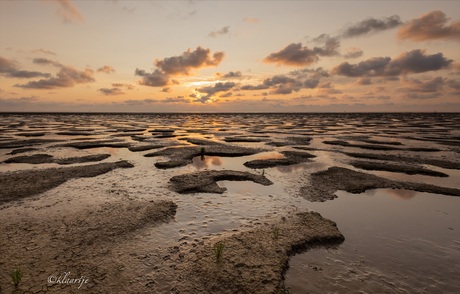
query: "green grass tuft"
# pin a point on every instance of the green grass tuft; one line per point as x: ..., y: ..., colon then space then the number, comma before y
x: 276, y: 233
x: 16, y: 276
x: 219, y: 251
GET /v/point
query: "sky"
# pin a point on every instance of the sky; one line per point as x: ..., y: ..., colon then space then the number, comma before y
x: 229, y: 56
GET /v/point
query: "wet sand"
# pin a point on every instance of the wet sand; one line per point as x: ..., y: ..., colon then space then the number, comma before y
x: 169, y: 187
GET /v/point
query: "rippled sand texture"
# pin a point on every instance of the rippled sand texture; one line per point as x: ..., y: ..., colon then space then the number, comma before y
x: 136, y: 203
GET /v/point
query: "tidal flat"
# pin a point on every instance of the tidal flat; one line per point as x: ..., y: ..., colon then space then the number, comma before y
x: 230, y: 203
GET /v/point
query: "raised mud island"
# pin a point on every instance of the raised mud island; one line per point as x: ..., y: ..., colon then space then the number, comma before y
x: 230, y: 203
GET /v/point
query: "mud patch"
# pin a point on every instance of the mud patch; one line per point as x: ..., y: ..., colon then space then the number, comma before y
x: 254, y: 261
x: 291, y: 157
x: 379, y: 147
x: 206, y: 181
x: 398, y: 158
x: 290, y: 141
x: 182, y: 156
x: 96, y: 144
x: 46, y: 158
x: 397, y: 168
x: 23, y: 184
x: 25, y: 143
x: 324, y: 184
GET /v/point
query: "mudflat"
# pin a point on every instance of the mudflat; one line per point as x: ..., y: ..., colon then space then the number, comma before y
x: 223, y: 203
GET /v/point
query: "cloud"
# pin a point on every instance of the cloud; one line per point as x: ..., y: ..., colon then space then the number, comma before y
x: 212, y: 90
x: 178, y: 99
x: 427, y: 86
x: 43, y: 51
x: 154, y: 79
x: 311, y: 83
x: 422, y: 89
x: 415, y: 61
x: 316, y: 73
x: 454, y: 84
x: 106, y: 69
x: 252, y: 87
x: 363, y: 81
x: 353, y: 53
x: 9, y: 68
x: 111, y: 91
x: 121, y: 85
x: 231, y: 75
x: 430, y: 26
x: 371, y: 25
x: 251, y: 20
x: 284, y: 85
x: 66, y: 77
x: 45, y: 61
x: 295, y: 54
x: 220, y: 32
x: 68, y: 11
x: 228, y: 94
x: 139, y: 102
x: 331, y: 45
x: 178, y: 65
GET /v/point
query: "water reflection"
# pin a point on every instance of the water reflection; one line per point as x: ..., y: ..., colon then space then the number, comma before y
x: 395, y: 193
x: 291, y: 168
x: 202, y: 162
x: 403, y: 194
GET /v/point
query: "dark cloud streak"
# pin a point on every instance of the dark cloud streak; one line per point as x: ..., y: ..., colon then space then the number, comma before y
x: 371, y: 25
x: 415, y: 61
x: 10, y: 69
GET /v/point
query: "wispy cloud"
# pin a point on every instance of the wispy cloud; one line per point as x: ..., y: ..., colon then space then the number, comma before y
x: 353, y: 53
x: 67, y: 11
x: 284, y: 85
x: 430, y: 26
x: 9, y: 68
x: 106, y: 69
x: 231, y: 75
x: 221, y: 32
x: 177, y: 99
x: 111, y: 91
x: 66, y: 77
x: 371, y: 25
x: 43, y: 51
x: 415, y: 61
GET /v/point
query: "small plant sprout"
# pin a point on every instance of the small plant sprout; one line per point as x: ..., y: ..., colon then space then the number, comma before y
x: 219, y: 250
x: 16, y: 276
x: 276, y: 232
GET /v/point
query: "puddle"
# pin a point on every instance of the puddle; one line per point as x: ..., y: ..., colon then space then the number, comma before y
x: 396, y: 241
